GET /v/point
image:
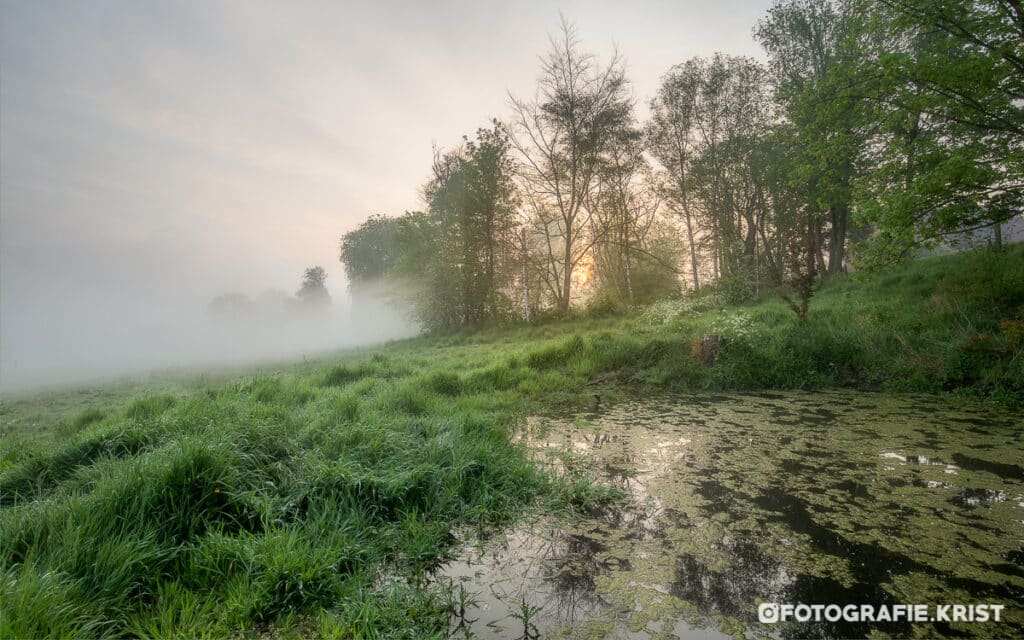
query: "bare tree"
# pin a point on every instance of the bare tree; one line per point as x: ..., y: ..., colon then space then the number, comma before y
x: 560, y: 136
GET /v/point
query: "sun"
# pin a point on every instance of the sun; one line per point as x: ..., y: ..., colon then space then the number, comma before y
x: 583, y: 273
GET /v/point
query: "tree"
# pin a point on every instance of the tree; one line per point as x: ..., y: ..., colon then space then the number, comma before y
x: 947, y: 78
x: 313, y: 292
x: 370, y: 251
x: 811, y: 53
x: 708, y: 120
x: 800, y: 270
x: 560, y: 136
x: 427, y: 269
x: 458, y: 254
x: 492, y: 201
x: 786, y: 201
x: 625, y: 212
x: 671, y: 139
x: 232, y: 306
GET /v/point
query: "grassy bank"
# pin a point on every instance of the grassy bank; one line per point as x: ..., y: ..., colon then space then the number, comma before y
x: 314, y: 500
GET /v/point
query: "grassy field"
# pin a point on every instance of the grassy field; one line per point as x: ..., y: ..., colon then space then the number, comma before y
x: 314, y: 500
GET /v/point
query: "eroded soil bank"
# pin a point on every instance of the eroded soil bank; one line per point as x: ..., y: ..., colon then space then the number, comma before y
x: 837, y: 497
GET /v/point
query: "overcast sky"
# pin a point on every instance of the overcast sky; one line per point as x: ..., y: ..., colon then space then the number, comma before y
x: 161, y: 153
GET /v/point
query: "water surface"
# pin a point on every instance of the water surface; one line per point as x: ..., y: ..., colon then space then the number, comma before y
x: 838, y: 497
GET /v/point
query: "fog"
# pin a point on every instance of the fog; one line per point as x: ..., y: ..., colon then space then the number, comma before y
x: 95, y: 337
x: 156, y: 155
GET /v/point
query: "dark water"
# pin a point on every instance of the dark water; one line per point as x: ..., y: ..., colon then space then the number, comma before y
x: 841, y: 498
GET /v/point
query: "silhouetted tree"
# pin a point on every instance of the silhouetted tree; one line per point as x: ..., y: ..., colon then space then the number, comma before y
x: 313, y: 292
x: 232, y: 306
x: 560, y: 136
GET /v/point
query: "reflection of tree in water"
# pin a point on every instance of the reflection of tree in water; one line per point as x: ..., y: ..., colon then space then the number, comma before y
x: 552, y: 574
x: 571, y: 568
x: 751, y: 574
x: 733, y: 589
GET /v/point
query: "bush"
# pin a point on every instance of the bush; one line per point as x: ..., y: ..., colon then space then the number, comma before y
x: 735, y: 289
x: 605, y: 303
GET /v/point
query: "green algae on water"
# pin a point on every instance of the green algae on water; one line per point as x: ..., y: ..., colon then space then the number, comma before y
x: 838, y: 497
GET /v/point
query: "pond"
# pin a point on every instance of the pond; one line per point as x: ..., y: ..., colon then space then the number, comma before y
x: 734, y: 500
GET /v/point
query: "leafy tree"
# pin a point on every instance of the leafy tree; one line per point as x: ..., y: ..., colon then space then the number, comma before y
x: 458, y: 252
x: 784, y: 200
x: 811, y: 53
x: 492, y: 201
x: 370, y: 251
x: 671, y: 138
x: 426, y: 264
x: 947, y: 79
x: 708, y: 121
x: 800, y: 267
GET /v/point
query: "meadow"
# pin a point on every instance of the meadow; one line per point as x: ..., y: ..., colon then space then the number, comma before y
x: 315, y: 499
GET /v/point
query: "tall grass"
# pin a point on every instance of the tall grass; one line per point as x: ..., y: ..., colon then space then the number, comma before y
x: 252, y: 504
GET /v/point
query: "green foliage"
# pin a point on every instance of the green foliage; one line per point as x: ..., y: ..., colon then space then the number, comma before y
x: 370, y: 251
x: 812, y: 51
x: 956, y: 158
x: 677, y: 310
x: 709, y: 124
x: 457, y: 255
x: 605, y: 303
x: 735, y: 289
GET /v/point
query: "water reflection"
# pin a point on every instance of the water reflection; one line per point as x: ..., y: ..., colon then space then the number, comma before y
x: 841, y: 498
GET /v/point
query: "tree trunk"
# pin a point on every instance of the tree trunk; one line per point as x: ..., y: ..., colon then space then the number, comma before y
x: 750, y: 238
x: 997, y: 236
x: 526, y: 279
x: 818, y: 239
x: 715, y: 256
x: 563, y: 304
x: 629, y: 271
x: 689, y: 234
x: 693, y: 253
x: 489, y: 292
x: 840, y: 213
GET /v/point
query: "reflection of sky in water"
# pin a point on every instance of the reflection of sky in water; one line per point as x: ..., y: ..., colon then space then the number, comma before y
x: 837, y: 497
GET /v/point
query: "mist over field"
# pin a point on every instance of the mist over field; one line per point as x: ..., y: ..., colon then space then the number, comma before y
x: 92, y: 336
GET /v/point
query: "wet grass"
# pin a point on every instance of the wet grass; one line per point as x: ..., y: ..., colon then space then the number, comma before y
x: 315, y: 499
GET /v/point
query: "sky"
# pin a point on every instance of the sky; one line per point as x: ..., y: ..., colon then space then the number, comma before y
x: 156, y: 154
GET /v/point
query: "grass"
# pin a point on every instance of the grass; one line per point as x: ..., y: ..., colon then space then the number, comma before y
x: 315, y: 500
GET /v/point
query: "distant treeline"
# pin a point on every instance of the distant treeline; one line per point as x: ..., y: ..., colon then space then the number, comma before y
x: 312, y: 297
x: 876, y: 129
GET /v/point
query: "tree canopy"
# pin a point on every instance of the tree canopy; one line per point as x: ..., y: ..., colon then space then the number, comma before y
x: 876, y: 129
